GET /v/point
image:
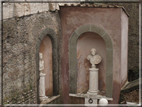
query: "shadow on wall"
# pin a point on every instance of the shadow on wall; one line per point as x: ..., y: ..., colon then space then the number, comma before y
x: 46, y: 50
x: 133, y: 74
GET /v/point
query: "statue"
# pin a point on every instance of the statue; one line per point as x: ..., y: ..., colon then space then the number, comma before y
x: 42, y: 79
x: 41, y: 62
x: 94, y: 58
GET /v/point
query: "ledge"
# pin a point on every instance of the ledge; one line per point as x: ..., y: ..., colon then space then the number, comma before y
x: 89, y: 96
x: 48, y: 100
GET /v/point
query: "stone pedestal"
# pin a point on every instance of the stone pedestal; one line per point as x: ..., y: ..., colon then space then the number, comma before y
x: 93, y: 81
x: 42, y: 87
x: 90, y: 101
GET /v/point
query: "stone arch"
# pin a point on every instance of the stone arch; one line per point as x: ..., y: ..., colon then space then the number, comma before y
x: 51, y: 33
x: 73, y: 57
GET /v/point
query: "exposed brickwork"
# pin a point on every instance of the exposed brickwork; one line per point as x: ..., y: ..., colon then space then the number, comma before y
x: 19, y: 54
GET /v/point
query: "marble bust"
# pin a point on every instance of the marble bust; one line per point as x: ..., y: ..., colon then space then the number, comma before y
x: 41, y: 62
x: 94, y: 58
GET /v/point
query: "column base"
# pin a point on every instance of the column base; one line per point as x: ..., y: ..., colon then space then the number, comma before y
x: 93, y: 92
x: 42, y: 98
x: 42, y: 74
x: 93, y: 69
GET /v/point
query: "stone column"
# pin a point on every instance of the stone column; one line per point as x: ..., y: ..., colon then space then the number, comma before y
x: 42, y: 87
x: 93, y: 81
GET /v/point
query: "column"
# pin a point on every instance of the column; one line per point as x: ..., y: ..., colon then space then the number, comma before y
x: 42, y: 87
x: 93, y: 81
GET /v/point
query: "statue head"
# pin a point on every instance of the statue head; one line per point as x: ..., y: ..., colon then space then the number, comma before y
x: 40, y: 55
x: 93, y: 51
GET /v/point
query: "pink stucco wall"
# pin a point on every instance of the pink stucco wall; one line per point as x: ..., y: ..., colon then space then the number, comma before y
x: 124, y: 47
x: 108, y: 19
x: 46, y: 50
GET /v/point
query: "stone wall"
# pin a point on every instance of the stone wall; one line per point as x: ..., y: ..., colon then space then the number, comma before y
x: 130, y: 93
x: 18, y: 8
x: 19, y: 55
x: 16, y: 18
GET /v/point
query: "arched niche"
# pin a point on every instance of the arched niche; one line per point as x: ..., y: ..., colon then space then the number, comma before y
x: 52, y: 35
x: 46, y: 50
x: 85, y: 43
x: 73, y: 57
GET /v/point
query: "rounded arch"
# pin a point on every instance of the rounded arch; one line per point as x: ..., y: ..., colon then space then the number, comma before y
x: 51, y: 33
x: 73, y: 56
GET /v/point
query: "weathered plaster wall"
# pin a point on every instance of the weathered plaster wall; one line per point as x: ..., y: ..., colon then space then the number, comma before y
x: 85, y: 43
x: 20, y: 36
x: 108, y: 19
x: 133, y: 36
x: 46, y: 50
x: 124, y: 48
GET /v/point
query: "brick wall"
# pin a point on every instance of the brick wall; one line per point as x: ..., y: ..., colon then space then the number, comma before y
x: 19, y: 55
